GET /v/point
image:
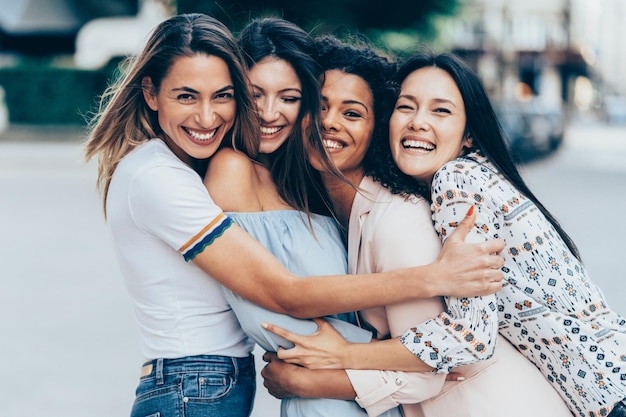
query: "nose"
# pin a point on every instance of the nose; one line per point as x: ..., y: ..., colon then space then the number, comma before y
x: 418, y: 121
x: 330, y: 121
x: 205, y: 116
x: 268, y: 110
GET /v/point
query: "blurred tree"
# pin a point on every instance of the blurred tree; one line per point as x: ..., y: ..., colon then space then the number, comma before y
x: 338, y: 16
x: 90, y: 9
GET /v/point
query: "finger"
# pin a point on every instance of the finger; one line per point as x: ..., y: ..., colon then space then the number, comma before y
x: 269, y: 356
x: 321, y: 322
x: 465, y: 226
x: 287, y: 355
x: 493, y: 245
x: 284, y: 333
x: 455, y: 376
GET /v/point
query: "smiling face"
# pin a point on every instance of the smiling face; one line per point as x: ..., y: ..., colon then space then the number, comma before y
x: 347, y: 121
x: 427, y: 126
x: 277, y: 92
x: 195, y: 105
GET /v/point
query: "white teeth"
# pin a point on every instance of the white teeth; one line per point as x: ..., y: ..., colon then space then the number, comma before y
x: 332, y: 144
x: 418, y: 144
x: 201, y: 136
x: 270, y: 130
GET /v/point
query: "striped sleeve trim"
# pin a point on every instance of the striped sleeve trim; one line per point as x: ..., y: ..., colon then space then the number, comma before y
x: 205, y: 237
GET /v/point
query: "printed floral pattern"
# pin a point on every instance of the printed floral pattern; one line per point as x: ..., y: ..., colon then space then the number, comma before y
x: 548, y: 307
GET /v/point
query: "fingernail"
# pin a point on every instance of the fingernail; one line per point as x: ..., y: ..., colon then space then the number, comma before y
x: 470, y: 211
x: 460, y: 378
x: 264, y: 325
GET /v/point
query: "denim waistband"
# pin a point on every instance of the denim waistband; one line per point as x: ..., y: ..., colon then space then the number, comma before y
x: 198, y: 363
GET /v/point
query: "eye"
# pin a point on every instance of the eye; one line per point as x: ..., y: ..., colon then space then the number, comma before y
x: 443, y: 110
x: 404, y: 106
x: 185, y: 97
x: 291, y: 99
x: 353, y: 114
x: 225, y: 96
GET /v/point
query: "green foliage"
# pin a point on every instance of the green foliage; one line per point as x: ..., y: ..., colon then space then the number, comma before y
x: 38, y: 93
x: 330, y: 15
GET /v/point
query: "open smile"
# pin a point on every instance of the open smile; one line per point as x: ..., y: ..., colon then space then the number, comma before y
x: 268, y: 131
x: 201, y: 136
x: 417, y: 145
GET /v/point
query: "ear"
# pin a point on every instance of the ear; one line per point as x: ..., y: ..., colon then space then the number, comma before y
x: 149, y: 93
x: 467, y: 141
x: 305, y: 125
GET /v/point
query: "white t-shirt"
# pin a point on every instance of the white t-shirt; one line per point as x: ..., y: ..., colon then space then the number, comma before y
x: 161, y: 216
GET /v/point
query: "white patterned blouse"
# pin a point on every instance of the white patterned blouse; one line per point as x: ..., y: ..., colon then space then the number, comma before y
x: 548, y: 307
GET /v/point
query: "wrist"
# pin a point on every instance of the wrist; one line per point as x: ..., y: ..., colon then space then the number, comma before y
x: 302, y: 382
x: 428, y: 284
x: 353, y: 355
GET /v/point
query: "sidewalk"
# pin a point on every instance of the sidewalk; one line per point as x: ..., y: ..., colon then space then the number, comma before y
x: 18, y: 133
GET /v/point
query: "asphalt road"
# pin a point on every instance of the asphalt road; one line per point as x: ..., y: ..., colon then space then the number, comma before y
x: 70, y: 344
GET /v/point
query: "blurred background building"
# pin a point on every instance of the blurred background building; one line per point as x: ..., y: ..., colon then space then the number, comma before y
x: 543, y: 62
x: 559, y: 50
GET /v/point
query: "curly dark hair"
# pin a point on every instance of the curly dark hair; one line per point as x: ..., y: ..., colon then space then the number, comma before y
x: 377, y: 69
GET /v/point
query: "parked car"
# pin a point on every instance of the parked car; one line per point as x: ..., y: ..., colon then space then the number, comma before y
x: 533, y: 128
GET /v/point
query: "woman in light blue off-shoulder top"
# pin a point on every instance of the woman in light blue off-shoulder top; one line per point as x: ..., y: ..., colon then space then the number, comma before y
x: 276, y: 197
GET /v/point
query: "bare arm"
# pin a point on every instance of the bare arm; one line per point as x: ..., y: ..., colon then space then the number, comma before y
x: 327, y: 349
x: 243, y: 265
x: 402, y: 237
x: 284, y: 380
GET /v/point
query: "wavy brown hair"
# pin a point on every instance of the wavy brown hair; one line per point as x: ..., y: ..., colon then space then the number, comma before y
x: 124, y: 120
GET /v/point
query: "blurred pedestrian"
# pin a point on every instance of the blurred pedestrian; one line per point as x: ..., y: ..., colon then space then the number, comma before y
x: 4, y: 112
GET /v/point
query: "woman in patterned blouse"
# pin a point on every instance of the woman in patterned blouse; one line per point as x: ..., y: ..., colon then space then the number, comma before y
x: 444, y: 134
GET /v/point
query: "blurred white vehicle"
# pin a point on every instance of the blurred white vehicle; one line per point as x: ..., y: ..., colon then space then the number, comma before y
x: 103, y: 39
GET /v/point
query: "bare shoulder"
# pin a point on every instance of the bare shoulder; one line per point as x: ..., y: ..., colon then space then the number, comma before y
x: 227, y: 161
x: 231, y: 180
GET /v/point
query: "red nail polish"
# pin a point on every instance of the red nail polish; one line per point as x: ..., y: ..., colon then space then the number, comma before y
x: 470, y: 211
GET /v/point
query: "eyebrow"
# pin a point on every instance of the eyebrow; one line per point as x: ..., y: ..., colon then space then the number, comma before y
x: 344, y: 102
x: 191, y: 90
x: 436, y: 100
x: 284, y: 90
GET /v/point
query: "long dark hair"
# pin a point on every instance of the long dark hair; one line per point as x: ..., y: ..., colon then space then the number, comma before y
x: 297, y: 182
x: 482, y: 124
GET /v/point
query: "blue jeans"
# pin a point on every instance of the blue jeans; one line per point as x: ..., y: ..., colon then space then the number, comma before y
x: 619, y: 410
x: 196, y: 386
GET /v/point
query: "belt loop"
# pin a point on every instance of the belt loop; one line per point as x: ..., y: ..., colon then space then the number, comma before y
x: 159, y: 371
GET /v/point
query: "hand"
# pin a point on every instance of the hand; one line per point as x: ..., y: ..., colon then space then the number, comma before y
x: 284, y: 380
x: 469, y: 269
x: 320, y: 350
x: 276, y: 376
x: 455, y: 376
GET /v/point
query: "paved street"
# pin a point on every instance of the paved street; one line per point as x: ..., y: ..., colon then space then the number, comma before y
x: 70, y: 345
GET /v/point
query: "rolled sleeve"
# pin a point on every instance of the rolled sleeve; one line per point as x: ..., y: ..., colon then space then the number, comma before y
x: 379, y: 391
